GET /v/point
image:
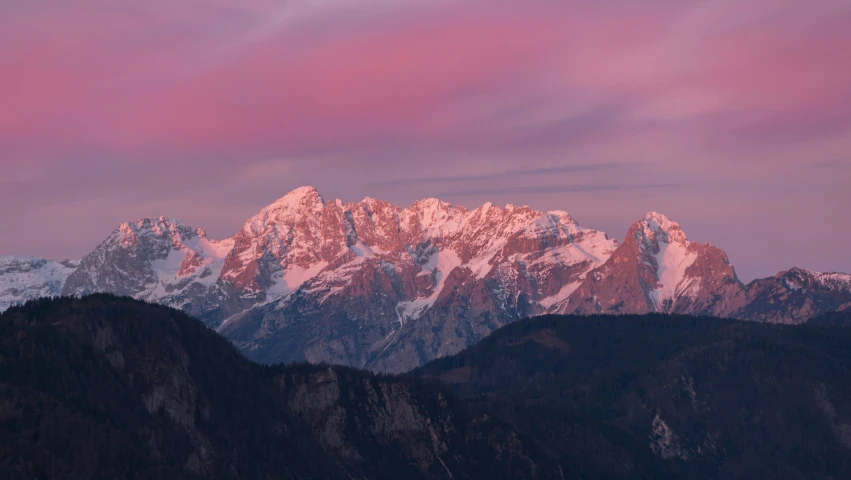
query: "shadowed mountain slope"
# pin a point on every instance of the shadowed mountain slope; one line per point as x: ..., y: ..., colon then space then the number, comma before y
x: 709, y: 398
x: 108, y: 387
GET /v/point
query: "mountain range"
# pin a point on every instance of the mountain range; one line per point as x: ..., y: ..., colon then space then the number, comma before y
x: 373, y: 285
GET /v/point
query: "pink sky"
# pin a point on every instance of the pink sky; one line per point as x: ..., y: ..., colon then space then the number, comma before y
x: 731, y: 116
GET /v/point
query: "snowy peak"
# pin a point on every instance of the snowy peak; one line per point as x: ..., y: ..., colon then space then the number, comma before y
x: 689, y: 277
x: 374, y: 249
x: 430, y: 278
x: 131, y: 234
x: 299, y: 203
x: 156, y: 259
x: 795, y: 296
x: 655, y: 228
x: 431, y: 205
x: 371, y: 263
x: 553, y: 223
x: 664, y: 248
x: 27, y: 278
x: 286, y: 243
x: 563, y: 217
x: 434, y: 218
x: 657, y: 269
x: 802, y: 279
x: 292, y: 242
x: 161, y: 235
x: 299, y: 197
x: 835, y: 281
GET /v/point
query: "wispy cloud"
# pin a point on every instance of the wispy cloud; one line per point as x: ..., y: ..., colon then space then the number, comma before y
x: 540, y: 189
x: 514, y: 173
x: 832, y: 163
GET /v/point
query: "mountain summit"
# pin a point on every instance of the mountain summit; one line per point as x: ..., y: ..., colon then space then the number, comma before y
x: 657, y: 269
x: 372, y: 284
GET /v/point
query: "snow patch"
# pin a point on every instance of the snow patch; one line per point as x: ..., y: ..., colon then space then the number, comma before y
x: 167, y: 268
x: 671, y: 263
x: 835, y: 281
x: 562, y: 295
x: 360, y: 249
x: 27, y: 278
x: 218, y: 249
x: 289, y: 280
x: 441, y: 264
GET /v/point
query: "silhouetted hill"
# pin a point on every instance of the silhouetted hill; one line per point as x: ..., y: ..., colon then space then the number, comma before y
x: 108, y: 387
x: 634, y: 395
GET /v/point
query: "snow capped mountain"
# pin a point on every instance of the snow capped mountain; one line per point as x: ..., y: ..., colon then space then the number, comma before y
x: 657, y: 269
x: 26, y: 278
x: 372, y: 284
x: 383, y: 272
x: 665, y: 249
x: 796, y: 295
x: 155, y: 259
x: 278, y: 249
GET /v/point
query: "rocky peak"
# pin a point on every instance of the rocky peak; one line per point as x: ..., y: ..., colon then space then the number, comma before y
x: 299, y: 204
x: 375, y: 212
x: 795, y: 296
x: 306, y: 196
x: 563, y: 216
x: 657, y: 269
x: 286, y: 243
x: 797, y: 278
x: 375, y: 223
x: 370, y: 204
x: 666, y: 253
x: 434, y: 217
x: 553, y: 223
x: 148, y: 230
x: 430, y: 204
x: 655, y: 228
x: 157, y: 259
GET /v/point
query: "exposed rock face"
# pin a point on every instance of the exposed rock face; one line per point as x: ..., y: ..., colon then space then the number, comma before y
x: 374, y: 285
x: 155, y: 259
x: 795, y: 296
x: 370, y: 284
x: 276, y: 250
x: 657, y: 269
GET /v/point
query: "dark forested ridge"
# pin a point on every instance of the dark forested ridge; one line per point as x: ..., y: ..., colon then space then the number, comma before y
x: 835, y: 319
x: 108, y: 387
x: 710, y: 398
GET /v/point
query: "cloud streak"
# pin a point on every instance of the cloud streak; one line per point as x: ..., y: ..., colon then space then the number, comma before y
x: 540, y: 189
x: 514, y: 174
